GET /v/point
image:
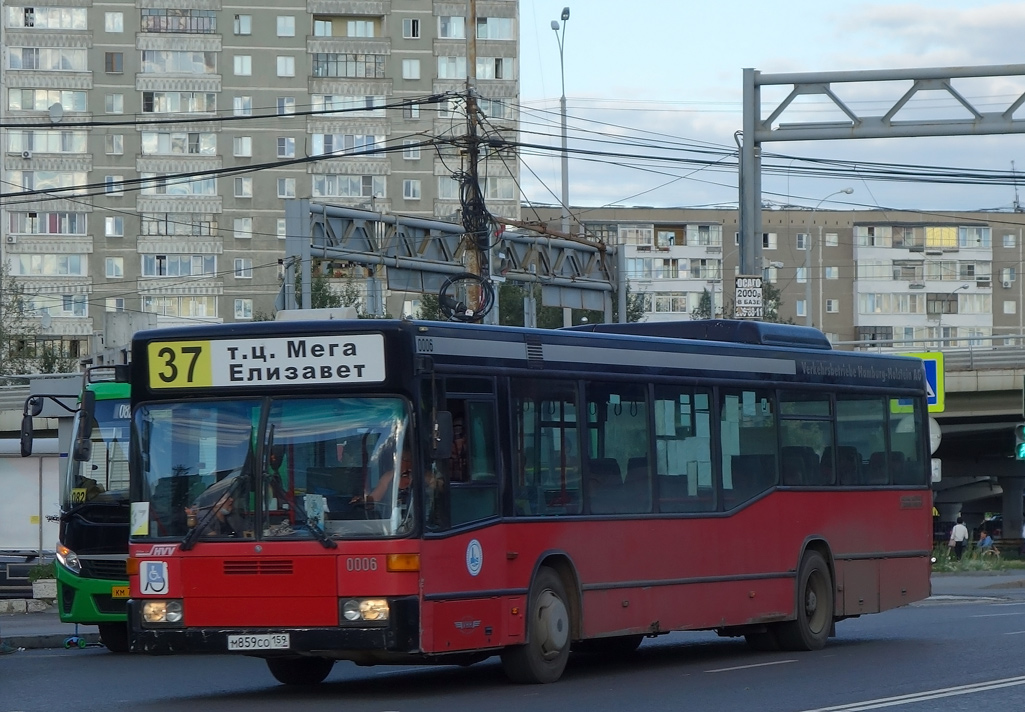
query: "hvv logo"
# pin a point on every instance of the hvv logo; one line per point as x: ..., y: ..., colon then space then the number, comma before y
x: 159, y: 550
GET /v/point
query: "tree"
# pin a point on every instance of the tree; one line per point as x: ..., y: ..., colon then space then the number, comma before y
x: 18, y: 330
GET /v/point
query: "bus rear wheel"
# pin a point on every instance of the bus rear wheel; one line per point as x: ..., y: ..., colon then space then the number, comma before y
x: 543, y: 658
x: 300, y: 671
x: 814, y: 607
x: 114, y: 636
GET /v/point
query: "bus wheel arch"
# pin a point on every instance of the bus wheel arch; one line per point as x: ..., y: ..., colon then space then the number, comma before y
x: 552, y: 622
x: 815, y: 591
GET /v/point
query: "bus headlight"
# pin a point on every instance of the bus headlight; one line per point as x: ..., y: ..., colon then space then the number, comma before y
x: 69, y: 559
x: 162, y: 612
x: 365, y: 610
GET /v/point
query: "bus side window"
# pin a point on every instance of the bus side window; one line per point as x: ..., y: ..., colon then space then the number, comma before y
x: 546, y: 449
x: 683, y: 449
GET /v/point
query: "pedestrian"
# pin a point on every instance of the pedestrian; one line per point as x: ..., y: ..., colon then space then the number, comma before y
x: 959, y: 537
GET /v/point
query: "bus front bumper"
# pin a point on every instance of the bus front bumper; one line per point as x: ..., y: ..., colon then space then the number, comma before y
x: 399, y: 636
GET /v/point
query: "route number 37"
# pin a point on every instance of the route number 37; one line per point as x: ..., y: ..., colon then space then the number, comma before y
x: 180, y: 364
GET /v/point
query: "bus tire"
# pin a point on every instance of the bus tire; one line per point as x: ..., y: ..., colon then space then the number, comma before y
x: 543, y: 658
x: 814, y: 607
x: 300, y: 671
x: 114, y: 636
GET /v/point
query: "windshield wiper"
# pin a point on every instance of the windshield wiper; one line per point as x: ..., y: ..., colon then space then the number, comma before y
x: 201, y: 526
x: 279, y: 491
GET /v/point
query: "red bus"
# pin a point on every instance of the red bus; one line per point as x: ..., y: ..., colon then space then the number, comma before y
x: 403, y: 492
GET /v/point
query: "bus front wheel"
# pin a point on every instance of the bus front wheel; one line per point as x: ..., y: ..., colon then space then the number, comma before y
x: 543, y: 658
x: 300, y: 671
x: 114, y: 636
x: 814, y: 607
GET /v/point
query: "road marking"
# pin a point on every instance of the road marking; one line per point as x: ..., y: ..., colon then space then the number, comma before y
x: 756, y: 665
x: 996, y: 615
x: 923, y: 696
x: 1016, y: 632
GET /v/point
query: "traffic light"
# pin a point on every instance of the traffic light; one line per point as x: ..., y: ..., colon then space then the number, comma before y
x: 1019, y: 441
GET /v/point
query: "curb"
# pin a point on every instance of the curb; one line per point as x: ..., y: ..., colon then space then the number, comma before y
x: 34, y: 642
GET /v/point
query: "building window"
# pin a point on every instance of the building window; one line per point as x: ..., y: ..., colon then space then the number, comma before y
x: 243, y: 24
x: 243, y: 65
x: 452, y: 28
x: 114, y: 62
x: 1010, y: 307
x: 359, y: 28
x: 178, y: 102
x: 114, y: 304
x: 411, y: 189
x: 1007, y: 276
x: 410, y: 28
x: 832, y: 239
x: 114, y: 185
x: 115, y: 267
x: 243, y: 228
x: 243, y: 187
x: 280, y: 229
x: 286, y: 187
x: 114, y: 103
x: 802, y: 275
x: 114, y: 144
x: 802, y: 241
x: 411, y: 150
x: 286, y: 147
x: 243, y: 268
x: 495, y: 28
x: 243, y: 308
x: 1010, y: 240
x: 286, y: 26
x: 832, y: 272
x: 768, y: 241
x: 453, y: 68
x: 411, y: 69
x: 974, y: 236
x: 494, y: 68
x: 411, y: 111
x: 114, y: 22
x: 114, y: 226
x: 286, y: 105
x: 799, y: 308
x: 243, y: 106
x: 833, y: 306
x: 286, y: 66
x: 348, y: 65
x: 243, y: 146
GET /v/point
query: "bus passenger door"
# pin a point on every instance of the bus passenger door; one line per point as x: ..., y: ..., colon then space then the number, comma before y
x: 460, y: 558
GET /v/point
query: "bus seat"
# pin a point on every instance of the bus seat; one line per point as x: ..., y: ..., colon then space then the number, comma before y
x: 605, y: 485
x: 805, y: 472
x: 876, y: 473
x: 637, y: 486
x: 848, y: 465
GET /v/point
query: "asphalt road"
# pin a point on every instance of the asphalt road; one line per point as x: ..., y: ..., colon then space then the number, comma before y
x: 953, y: 652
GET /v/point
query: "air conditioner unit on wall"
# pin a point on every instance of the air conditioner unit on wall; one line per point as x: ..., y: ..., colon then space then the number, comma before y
x: 12, y: 239
x: 1006, y: 284
x: 26, y: 154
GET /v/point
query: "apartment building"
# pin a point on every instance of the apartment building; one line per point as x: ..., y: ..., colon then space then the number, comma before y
x: 149, y: 146
x: 857, y: 275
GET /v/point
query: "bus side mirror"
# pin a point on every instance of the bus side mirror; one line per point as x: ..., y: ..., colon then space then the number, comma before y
x: 441, y: 438
x: 83, y: 449
x: 26, y: 435
x: 34, y: 406
x: 88, y: 416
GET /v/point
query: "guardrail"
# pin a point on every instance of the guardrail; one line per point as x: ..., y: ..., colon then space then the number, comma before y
x: 979, y: 353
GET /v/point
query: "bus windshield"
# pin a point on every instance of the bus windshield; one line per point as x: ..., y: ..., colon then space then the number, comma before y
x: 279, y: 468
x: 103, y: 477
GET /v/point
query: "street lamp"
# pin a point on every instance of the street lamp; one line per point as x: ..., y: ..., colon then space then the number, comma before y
x: 807, y: 255
x: 560, y: 35
x: 939, y: 320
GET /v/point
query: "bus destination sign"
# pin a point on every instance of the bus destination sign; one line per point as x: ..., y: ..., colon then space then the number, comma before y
x: 355, y: 358
x: 748, y: 298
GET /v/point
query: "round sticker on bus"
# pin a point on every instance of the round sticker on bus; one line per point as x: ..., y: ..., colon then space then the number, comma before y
x: 474, y: 557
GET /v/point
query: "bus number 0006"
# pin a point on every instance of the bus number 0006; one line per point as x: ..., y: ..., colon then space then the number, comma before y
x: 425, y: 345
x: 365, y: 563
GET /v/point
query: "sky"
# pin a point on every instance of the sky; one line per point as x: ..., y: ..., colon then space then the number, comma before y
x: 664, y: 77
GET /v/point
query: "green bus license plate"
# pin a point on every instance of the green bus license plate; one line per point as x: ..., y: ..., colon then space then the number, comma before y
x: 119, y: 591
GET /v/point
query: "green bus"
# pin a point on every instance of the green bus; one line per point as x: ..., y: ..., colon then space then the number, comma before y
x: 92, y: 583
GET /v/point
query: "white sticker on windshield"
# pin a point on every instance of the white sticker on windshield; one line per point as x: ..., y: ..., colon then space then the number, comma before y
x: 140, y: 518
